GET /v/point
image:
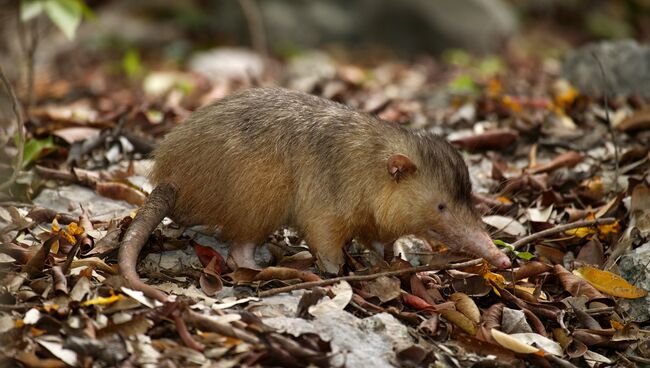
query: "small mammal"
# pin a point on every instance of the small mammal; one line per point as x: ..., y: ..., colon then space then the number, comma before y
x: 264, y: 158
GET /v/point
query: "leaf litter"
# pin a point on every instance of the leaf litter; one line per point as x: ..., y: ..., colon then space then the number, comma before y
x: 535, y: 165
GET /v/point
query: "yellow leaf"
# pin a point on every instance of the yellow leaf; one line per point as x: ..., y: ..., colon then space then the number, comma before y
x: 71, y: 239
x: 494, y: 87
x: 615, y: 324
x: 512, y: 104
x: 50, y: 307
x: 504, y: 200
x: 496, y: 279
x: 609, y: 283
x: 55, y: 225
x: 55, y: 247
x: 36, y: 332
x: 103, y: 300
x: 605, y: 229
x: 531, y: 291
x: 75, y: 229
x: 581, y: 232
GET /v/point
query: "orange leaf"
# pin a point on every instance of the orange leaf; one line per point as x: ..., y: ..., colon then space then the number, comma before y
x: 497, y: 280
x: 609, y: 283
x: 504, y: 200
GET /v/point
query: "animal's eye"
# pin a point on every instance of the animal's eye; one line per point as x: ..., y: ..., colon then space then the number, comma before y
x: 441, y: 207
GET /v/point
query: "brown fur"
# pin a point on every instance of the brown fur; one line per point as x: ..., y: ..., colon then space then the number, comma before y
x: 265, y: 158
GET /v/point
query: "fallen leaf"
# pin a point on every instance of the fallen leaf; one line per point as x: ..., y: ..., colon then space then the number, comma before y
x: 639, y: 120
x: 342, y: 296
x: 466, y: 306
x: 385, y: 288
x: 103, y: 300
x: 120, y: 191
x: 460, y: 320
x: 540, y: 341
x: 508, y: 225
x: 566, y: 159
x: 496, y: 139
x: 232, y: 301
x: 609, y: 283
x: 576, y: 285
x: 512, y: 343
x: 207, y: 255
x: 55, y: 346
x: 282, y: 273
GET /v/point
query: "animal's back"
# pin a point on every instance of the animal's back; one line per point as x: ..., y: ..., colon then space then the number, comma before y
x: 254, y: 161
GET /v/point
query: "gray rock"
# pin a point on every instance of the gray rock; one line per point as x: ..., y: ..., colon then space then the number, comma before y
x: 66, y: 199
x: 626, y: 64
x: 368, y: 342
x: 633, y: 268
x: 223, y: 64
x: 405, y: 26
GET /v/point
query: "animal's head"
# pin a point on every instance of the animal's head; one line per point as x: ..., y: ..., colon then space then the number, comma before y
x: 428, y: 191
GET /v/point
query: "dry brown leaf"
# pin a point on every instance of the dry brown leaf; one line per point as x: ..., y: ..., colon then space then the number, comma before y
x: 609, y: 283
x: 121, y: 191
x: 637, y: 121
x: 385, y: 288
x: 459, y: 320
x: 492, y: 139
x: 576, y: 285
x: 466, y: 306
x: 281, y: 273
x: 566, y: 159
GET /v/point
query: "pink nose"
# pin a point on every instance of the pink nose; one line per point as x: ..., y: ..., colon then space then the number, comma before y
x: 501, y: 261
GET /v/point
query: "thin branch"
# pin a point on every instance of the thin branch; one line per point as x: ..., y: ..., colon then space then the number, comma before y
x: 610, y: 128
x: 21, y: 134
x: 561, y: 228
x: 255, y: 25
x: 28, y: 44
x: 311, y: 284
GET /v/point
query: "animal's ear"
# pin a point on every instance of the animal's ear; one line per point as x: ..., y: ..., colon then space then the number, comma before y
x: 399, y: 166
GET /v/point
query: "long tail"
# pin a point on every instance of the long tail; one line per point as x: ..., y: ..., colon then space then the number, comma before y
x: 159, y: 204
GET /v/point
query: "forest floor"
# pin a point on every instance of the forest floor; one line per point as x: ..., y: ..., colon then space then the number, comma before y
x: 541, y: 155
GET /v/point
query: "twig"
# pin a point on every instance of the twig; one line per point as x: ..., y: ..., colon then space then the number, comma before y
x: 558, y: 229
x: 212, y: 324
x: 21, y: 134
x: 28, y: 46
x: 311, y: 284
x: 255, y: 25
x: 607, y: 120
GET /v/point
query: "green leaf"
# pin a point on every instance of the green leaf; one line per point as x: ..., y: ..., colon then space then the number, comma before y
x: 490, y: 66
x: 131, y: 63
x: 463, y: 84
x: 65, y: 14
x: 523, y: 255
x: 37, y: 148
x: 30, y: 9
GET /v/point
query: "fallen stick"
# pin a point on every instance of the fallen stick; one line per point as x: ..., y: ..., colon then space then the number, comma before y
x: 20, y: 122
x: 311, y: 284
x: 519, y: 243
x: 558, y: 229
